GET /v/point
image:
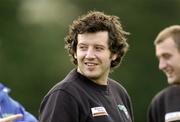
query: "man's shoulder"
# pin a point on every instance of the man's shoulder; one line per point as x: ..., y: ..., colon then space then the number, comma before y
x: 67, y: 83
x: 171, y: 89
x: 116, y: 84
x: 118, y: 87
x: 166, y: 93
x: 71, y: 85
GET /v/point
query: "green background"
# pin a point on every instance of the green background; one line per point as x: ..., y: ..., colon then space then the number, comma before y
x: 33, y: 58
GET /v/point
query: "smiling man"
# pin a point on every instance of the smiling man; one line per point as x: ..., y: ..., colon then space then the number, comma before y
x: 96, y: 43
x: 165, y: 106
x: 94, y: 57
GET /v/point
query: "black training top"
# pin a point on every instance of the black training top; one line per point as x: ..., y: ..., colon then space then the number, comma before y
x: 78, y: 99
x: 165, y: 106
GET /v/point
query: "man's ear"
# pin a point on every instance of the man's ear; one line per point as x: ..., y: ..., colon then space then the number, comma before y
x: 75, y: 56
x: 113, y: 57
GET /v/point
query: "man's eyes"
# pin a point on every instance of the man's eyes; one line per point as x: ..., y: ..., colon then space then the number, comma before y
x: 83, y: 47
x: 166, y: 56
x: 99, y: 48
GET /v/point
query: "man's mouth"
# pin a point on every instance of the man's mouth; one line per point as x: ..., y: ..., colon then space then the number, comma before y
x: 90, y: 64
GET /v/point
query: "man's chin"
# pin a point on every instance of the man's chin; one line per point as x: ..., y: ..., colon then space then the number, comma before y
x: 91, y: 76
x: 171, y: 81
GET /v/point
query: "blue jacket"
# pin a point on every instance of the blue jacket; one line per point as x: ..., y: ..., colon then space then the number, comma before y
x: 8, y: 106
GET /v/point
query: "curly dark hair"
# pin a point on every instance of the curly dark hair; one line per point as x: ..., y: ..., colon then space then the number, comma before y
x: 95, y: 21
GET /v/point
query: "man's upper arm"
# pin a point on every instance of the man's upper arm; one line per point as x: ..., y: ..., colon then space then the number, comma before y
x: 59, y: 107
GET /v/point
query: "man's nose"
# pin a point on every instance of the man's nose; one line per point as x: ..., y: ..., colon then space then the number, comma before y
x: 162, y: 64
x: 90, y: 53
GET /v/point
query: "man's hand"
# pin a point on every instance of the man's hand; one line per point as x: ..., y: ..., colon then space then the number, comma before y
x: 11, y: 118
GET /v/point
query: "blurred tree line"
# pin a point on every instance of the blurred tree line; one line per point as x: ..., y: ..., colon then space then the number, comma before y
x: 32, y: 55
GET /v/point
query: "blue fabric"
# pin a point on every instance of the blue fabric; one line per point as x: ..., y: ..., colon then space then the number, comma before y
x: 8, y: 106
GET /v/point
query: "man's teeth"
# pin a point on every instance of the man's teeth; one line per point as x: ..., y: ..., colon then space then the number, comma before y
x: 90, y: 64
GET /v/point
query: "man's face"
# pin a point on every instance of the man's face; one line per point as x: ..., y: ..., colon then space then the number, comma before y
x: 93, y: 56
x: 169, y: 58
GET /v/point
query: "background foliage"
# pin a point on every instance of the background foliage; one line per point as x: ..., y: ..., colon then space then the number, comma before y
x: 32, y: 55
